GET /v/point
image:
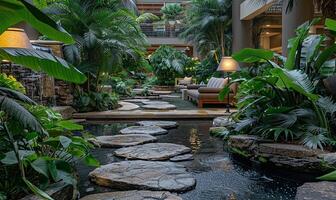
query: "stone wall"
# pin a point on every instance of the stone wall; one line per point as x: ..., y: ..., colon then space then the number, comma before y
x: 40, y: 87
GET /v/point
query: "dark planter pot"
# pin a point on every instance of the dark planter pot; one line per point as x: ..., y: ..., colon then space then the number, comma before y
x: 330, y: 84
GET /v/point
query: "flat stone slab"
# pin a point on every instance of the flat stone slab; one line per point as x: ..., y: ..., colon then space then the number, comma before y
x: 127, y: 106
x: 290, y: 150
x: 152, y: 151
x: 150, y: 130
x: 116, y: 141
x: 244, y: 142
x: 162, y: 124
x: 159, y: 92
x: 222, y: 121
x: 181, y: 158
x: 170, y: 96
x: 145, y: 175
x: 154, y: 102
x: 136, y: 100
x: 65, y: 111
x: 159, y: 107
x: 133, y: 195
x: 318, y: 190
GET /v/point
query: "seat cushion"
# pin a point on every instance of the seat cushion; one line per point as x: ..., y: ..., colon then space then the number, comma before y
x: 216, y: 82
x: 185, y: 81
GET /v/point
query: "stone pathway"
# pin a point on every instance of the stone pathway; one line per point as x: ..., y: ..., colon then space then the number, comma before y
x: 136, y: 100
x: 151, y: 130
x: 318, y: 190
x: 127, y: 106
x: 146, y: 172
x: 133, y: 195
x: 162, y: 124
x: 116, y: 141
x: 181, y: 158
x: 154, y: 102
x: 159, y: 107
x: 152, y: 151
x: 147, y: 175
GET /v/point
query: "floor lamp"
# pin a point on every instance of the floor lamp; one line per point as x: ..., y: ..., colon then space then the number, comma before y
x: 228, y: 65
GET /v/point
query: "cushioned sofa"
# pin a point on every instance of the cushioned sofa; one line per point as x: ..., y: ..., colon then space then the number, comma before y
x: 208, y: 94
x: 182, y: 83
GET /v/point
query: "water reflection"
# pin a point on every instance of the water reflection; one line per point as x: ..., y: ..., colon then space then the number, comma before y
x: 219, y: 176
x: 194, y: 140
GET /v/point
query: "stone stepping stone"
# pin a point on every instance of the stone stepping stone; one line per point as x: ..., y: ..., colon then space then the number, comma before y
x: 170, y: 96
x: 162, y: 124
x: 116, y: 141
x: 181, y: 158
x: 150, y: 130
x: 154, y: 102
x: 127, y: 106
x: 136, y: 100
x: 133, y: 195
x: 145, y: 175
x: 152, y: 151
x: 159, y: 107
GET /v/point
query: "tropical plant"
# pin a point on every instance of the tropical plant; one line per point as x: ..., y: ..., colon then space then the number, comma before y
x: 15, y: 11
x: 37, y: 145
x: 208, y: 26
x: 287, y: 100
x: 207, y: 69
x: 94, y: 101
x: 172, y: 11
x: 106, y: 34
x: 145, y: 17
x: 168, y: 63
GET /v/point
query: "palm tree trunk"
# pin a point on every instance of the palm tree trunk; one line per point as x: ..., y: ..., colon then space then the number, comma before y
x: 222, y: 41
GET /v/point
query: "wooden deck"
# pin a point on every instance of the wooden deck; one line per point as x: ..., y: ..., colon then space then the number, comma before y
x: 152, y: 114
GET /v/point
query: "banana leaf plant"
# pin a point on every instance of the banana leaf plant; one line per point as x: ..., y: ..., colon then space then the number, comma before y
x: 287, y: 101
x: 13, y: 12
x: 25, y: 140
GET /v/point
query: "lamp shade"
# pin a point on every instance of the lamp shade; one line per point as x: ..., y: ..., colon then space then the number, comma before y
x: 228, y: 64
x: 15, y: 38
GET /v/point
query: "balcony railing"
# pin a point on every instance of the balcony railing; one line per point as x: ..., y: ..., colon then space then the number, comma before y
x: 167, y: 31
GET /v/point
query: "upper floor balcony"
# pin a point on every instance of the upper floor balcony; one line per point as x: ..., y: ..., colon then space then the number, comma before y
x: 161, y: 30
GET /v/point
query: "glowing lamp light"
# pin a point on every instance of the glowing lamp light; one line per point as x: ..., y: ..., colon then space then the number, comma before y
x: 15, y: 38
x: 228, y: 64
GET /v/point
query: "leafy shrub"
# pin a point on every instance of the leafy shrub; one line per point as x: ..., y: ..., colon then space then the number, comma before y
x: 95, y: 101
x: 168, y: 63
x: 207, y: 69
x: 37, y: 147
x: 285, y: 99
x: 11, y: 83
x: 172, y: 11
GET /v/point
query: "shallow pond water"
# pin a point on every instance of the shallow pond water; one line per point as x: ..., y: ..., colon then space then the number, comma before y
x: 219, y: 175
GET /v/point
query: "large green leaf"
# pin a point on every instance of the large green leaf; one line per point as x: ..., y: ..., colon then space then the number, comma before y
x: 249, y: 55
x: 331, y: 24
x: 20, y: 114
x: 324, y: 56
x: 42, y: 61
x: 294, y: 44
x: 328, y: 177
x: 36, y: 190
x: 296, y: 80
x: 15, y: 11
